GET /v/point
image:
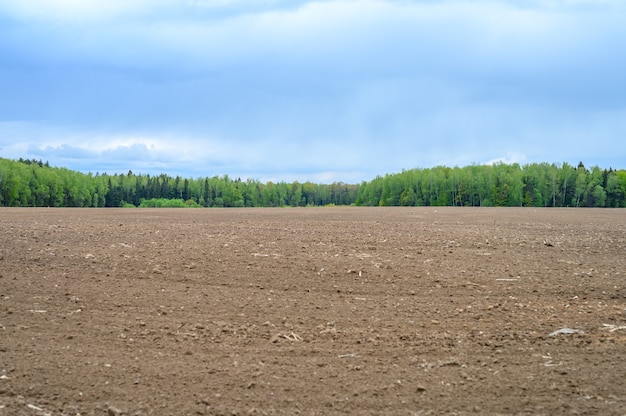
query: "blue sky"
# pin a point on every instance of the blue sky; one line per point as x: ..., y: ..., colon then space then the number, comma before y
x: 311, y: 90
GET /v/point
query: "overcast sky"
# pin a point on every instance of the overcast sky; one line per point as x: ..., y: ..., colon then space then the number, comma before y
x: 329, y: 90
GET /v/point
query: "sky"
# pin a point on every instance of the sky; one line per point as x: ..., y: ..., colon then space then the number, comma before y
x: 322, y: 91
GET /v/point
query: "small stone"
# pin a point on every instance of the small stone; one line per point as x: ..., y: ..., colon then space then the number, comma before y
x: 114, y: 411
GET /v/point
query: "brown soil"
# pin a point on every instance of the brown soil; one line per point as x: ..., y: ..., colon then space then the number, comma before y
x: 312, y: 311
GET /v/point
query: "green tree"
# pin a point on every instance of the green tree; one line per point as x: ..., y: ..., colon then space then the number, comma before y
x: 580, y: 186
x: 614, y: 194
x: 599, y: 196
x: 568, y: 187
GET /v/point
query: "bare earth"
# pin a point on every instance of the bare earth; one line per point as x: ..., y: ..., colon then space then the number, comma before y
x: 327, y: 311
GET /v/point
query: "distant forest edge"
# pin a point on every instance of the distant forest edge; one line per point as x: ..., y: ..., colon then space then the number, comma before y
x: 31, y: 183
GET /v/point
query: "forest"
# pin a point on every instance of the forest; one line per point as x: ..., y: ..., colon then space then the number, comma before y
x: 502, y: 185
x: 31, y: 183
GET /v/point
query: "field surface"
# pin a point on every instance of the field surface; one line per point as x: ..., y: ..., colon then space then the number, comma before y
x: 321, y: 311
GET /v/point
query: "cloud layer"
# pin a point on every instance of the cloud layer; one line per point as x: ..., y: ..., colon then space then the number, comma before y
x: 327, y: 90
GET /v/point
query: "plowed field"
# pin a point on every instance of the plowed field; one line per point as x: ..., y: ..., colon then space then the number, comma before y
x: 325, y: 311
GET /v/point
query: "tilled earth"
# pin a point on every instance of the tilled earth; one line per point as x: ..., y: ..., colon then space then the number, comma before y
x: 326, y: 311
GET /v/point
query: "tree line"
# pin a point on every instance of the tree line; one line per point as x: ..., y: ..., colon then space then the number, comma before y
x: 531, y: 185
x: 31, y: 183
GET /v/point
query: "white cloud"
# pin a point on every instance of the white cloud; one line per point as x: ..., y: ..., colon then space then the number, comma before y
x: 80, y: 10
x: 276, y: 88
x: 342, y: 35
x: 367, y: 25
x: 507, y: 159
